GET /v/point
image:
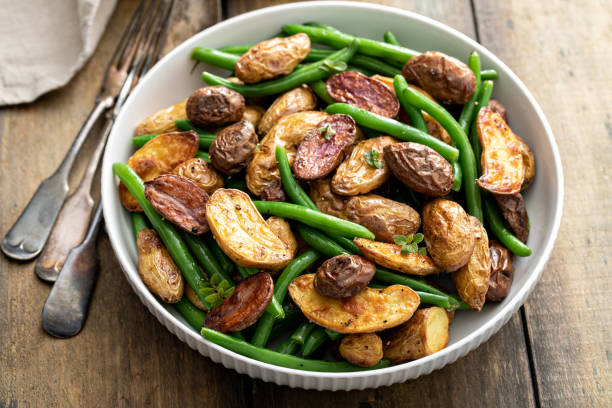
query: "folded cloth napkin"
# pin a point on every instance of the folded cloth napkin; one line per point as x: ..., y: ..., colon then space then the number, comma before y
x: 44, y: 43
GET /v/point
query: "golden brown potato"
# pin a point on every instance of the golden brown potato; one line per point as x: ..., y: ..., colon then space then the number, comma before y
x: 299, y: 99
x: 384, y: 217
x: 449, y: 234
x: 214, y: 106
x: 159, y: 156
x: 355, y: 176
x: 444, y: 77
x: 271, y: 58
x: 426, y: 333
x: 390, y: 256
x: 201, y: 173
x: 369, y: 311
x: 472, y: 279
x: 157, y: 269
x: 253, y: 114
x: 288, y: 132
x: 162, y: 121
x: 528, y: 163
x: 282, y: 229
x: 343, y: 276
x: 363, y: 350
x: 498, y: 107
x: 503, y: 169
x: 193, y: 298
x: 242, y: 232
x: 233, y: 148
x: 326, y: 200
x: 502, y: 272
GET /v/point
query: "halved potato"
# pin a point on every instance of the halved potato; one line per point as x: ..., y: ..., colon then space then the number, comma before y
x: 369, y: 311
x: 503, y: 168
x: 425, y: 334
x: 162, y: 121
x: 282, y: 229
x: 159, y: 156
x: 363, y: 350
x: 299, y: 99
x: 193, y: 298
x: 242, y: 233
x: 390, y: 256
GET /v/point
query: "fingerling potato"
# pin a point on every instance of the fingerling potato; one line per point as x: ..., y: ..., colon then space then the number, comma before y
x: 201, y: 173
x: 514, y: 211
x: 193, y: 298
x: 326, y: 200
x: 216, y: 105
x: 282, y: 229
x: 502, y: 272
x: 363, y: 350
x: 299, y: 99
x: 390, y: 256
x: 162, y: 121
x: 253, y: 114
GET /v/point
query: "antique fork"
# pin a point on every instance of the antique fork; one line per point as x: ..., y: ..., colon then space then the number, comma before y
x: 69, y: 229
x: 66, y: 306
x: 28, y: 235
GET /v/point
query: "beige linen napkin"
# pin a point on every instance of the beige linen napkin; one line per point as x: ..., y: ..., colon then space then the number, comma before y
x: 43, y: 43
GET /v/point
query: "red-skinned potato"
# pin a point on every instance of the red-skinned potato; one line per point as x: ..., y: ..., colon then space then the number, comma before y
x: 299, y: 99
x: 390, y: 256
x: 343, y: 276
x: 502, y: 272
x: 233, y: 147
x: 514, y: 211
x: 274, y: 192
x: 213, y: 106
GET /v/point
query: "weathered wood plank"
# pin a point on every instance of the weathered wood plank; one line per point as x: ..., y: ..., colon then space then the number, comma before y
x: 561, y: 51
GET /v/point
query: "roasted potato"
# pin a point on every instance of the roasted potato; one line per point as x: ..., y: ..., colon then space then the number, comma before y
x: 364, y: 92
x: 156, y: 268
x: 249, y: 301
x: 253, y: 114
x: 343, y: 276
x: 201, y: 173
x: 355, y: 175
x: 426, y: 333
x: 503, y: 168
x: 274, y: 192
x: 214, y: 106
x: 514, y: 211
x: 363, y: 350
x: 420, y: 168
x: 324, y: 147
x: 528, y: 163
x: 390, y: 256
x: 233, y: 148
x: 288, y: 132
x: 444, y: 77
x: 299, y: 99
x: 162, y: 121
x: 242, y: 233
x: 158, y: 156
x: 369, y: 311
x: 326, y: 200
x: 271, y: 58
x: 436, y: 129
x: 282, y: 229
x: 472, y: 279
x: 449, y: 234
x: 384, y: 217
x: 193, y: 298
x: 502, y: 272
x: 498, y: 107
x: 180, y: 201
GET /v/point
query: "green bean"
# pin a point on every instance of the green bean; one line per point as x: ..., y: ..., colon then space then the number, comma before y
x: 289, y: 346
x: 457, y: 176
x: 363, y: 71
x: 317, y: 70
x: 390, y: 38
x: 205, y: 257
x: 293, y: 318
x: 243, y: 271
x: 496, y: 223
x: 319, y: 88
x: 394, y: 128
x: 283, y: 360
x: 214, y: 57
x: 275, y: 309
x: 339, y: 39
x: 467, y: 113
x: 236, y: 49
x: 448, y: 302
x: 194, y: 316
x: 316, y: 219
x: 203, y: 155
x: 168, y: 234
x: 302, y: 332
x: 333, y: 335
x: 139, y: 222
x: 466, y: 158
x: 320, y: 25
x: 486, y: 74
x: 314, y: 340
x: 223, y: 260
x: 139, y: 141
x: 186, y: 125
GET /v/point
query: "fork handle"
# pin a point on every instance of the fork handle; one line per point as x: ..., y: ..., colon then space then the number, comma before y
x: 28, y: 235
x: 66, y: 307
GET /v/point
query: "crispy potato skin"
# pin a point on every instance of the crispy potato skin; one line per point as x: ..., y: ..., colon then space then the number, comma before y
x: 201, y: 173
x: 472, y: 279
x: 288, y: 132
x: 271, y: 58
x: 317, y: 156
x: 250, y: 299
x: 502, y: 272
x: 343, y: 276
x: 514, y: 211
x: 363, y: 350
x: 369, y: 311
x: 364, y: 92
x: 355, y: 176
x: 528, y: 163
x: 242, y: 233
x: 233, y: 148
x: 444, y: 77
x: 274, y: 192
x: 299, y: 99
x: 157, y: 269
x: 503, y: 169
x: 193, y: 298
x: 449, y: 234
x: 162, y: 121
x: 159, y: 156
x: 420, y: 168
x: 282, y: 229
x: 326, y: 200
x: 426, y: 333
x: 390, y: 256
x: 384, y: 217
x: 498, y: 107
x: 214, y: 106
x: 253, y: 114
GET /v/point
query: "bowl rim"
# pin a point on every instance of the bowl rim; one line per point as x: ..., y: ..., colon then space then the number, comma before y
x: 462, y: 346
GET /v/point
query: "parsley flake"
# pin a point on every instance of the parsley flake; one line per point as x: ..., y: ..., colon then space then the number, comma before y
x: 327, y: 131
x: 410, y: 244
x: 371, y: 157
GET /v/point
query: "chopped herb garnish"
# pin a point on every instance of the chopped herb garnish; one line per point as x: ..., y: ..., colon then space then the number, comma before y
x: 371, y: 157
x: 410, y: 244
x: 327, y: 131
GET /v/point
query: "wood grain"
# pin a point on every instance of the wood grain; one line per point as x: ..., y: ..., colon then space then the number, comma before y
x: 562, y: 52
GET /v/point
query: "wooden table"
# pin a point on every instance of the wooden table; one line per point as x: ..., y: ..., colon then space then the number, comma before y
x: 556, y: 352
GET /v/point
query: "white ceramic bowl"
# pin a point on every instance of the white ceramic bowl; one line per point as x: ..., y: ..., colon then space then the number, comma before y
x: 171, y: 81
